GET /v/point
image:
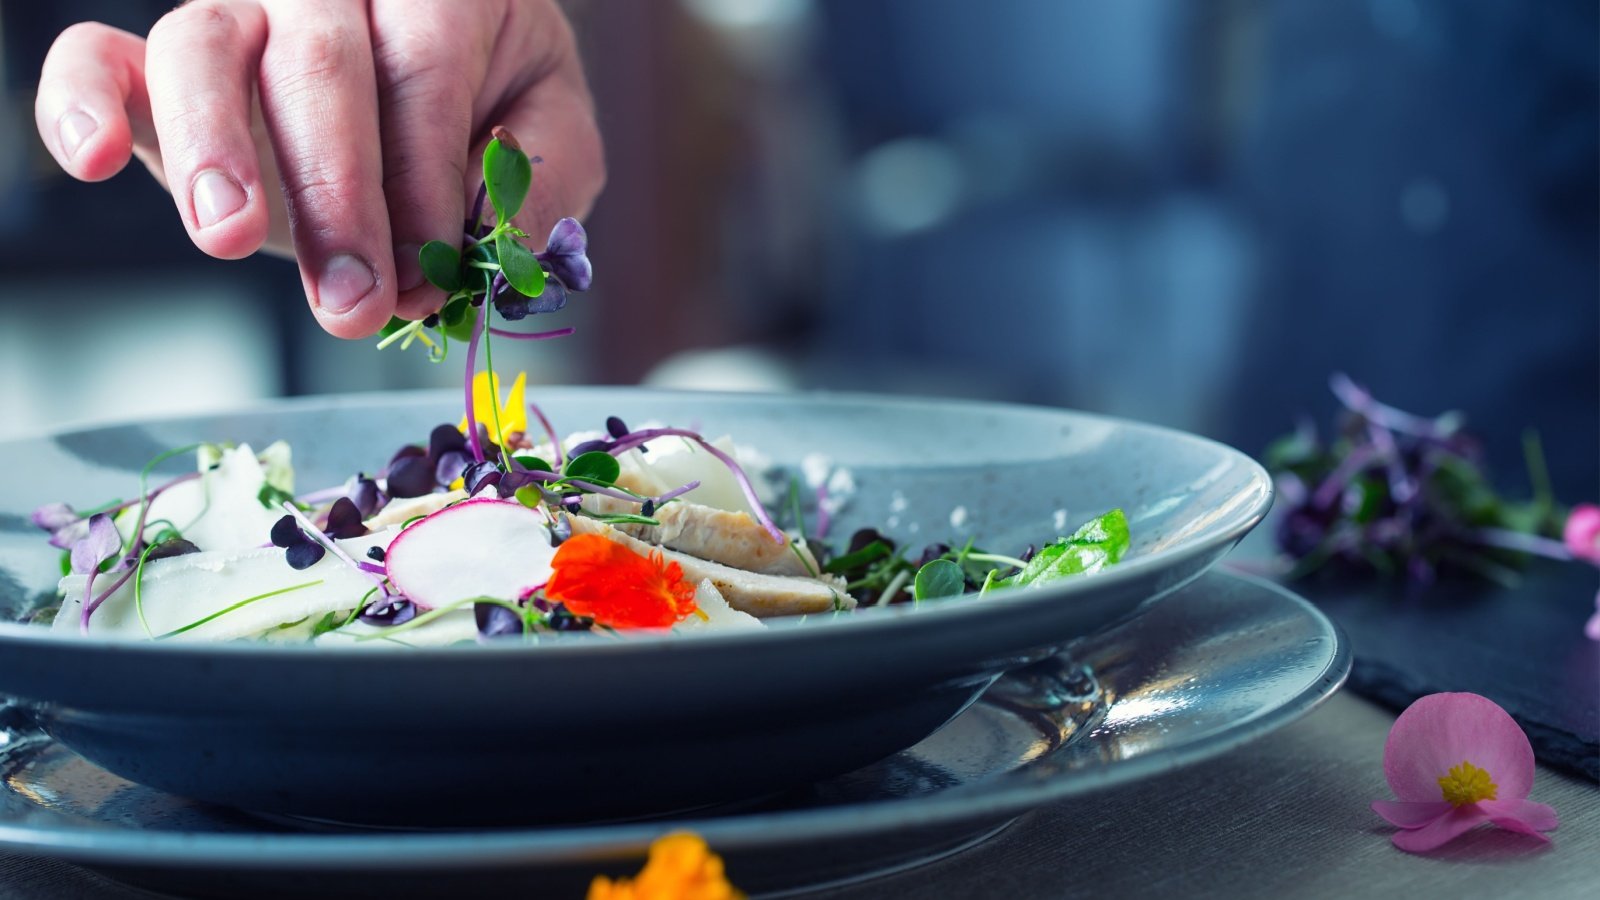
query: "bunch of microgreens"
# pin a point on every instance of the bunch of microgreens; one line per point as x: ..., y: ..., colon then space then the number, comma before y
x: 1391, y: 493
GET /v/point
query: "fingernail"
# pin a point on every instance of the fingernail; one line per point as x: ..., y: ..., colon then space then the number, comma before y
x: 407, y: 268
x: 216, y: 197
x: 344, y: 281
x: 75, y: 127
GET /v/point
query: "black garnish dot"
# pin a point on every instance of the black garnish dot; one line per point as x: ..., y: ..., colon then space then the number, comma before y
x: 285, y: 533
x: 648, y: 508
x: 305, y: 554
x: 376, y: 554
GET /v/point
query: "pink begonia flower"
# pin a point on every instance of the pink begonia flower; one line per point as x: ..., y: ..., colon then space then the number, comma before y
x: 1457, y: 761
x: 1582, y: 537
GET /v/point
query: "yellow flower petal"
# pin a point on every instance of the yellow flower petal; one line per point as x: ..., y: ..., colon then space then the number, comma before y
x: 512, y: 415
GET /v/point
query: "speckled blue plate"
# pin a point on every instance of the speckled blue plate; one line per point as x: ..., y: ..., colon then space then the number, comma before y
x: 592, y: 728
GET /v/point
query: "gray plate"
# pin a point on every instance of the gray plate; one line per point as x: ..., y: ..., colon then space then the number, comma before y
x: 588, y: 729
x: 1202, y: 671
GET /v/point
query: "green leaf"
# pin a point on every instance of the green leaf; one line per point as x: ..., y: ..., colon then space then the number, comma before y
x: 520, y: 266
x: 939, y: 578
x: 507, y: 174
x: 458, y: 318
x: 441, y: 265
x: 1099, y: 543
x: 395, y: 324
x: 871, y: 552
x: 533, y: 463
x: 273, y: 497
x: 596, y: 467
x: 529, y: 495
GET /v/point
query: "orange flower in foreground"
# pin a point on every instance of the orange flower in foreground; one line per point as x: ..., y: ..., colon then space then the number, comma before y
x: 680, y: 867
x: 615, y: 586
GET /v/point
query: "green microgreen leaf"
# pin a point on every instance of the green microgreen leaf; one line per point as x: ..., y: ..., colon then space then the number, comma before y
x: 870, y: 553
x: 1099, y: 543
x: 533, y: 463
x: 939, y: 578
x: 441, y: 265
x: 274, y: 497
x: 520, y: 266
x: 530, y: 496
x: 457, y: 319
x: 596, y: 466
x: 507, y: 174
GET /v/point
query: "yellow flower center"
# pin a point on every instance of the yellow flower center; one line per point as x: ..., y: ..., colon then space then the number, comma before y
x: 680, y: 867
x: 1465, y: 784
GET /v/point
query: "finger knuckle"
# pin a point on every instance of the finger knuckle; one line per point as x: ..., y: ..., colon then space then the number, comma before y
x: 201, y: 28
x: 309, y: 57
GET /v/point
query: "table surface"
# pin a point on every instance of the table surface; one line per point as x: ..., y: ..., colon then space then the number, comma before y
x: 1285, y: 816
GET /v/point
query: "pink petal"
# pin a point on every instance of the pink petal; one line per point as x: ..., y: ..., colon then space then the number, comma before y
x: 1453, y: 824
x: 1523, y: 816
x: 1443, y: 730
x: 1410, y: 814
x: 1582, y: 534
x: 1592, y: 629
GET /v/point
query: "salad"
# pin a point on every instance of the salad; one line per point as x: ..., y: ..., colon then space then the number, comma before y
x: 493, y: 529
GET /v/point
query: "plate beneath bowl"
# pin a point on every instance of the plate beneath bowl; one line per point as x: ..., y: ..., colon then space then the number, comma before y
x: 1200, y: 672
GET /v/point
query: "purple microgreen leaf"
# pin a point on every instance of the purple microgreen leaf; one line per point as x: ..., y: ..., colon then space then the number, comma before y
x: 495, y: 620
x: 443, y: 439
x: 480, y: 474
x: 386, y: 612
x: 286, y: 533
x: 344, y: 520
x: 100, y: 544
x: 305, y: 554
x: 450, y: 467
x: 364, y: 493
x: 54, y: 516
x: 412, y: 476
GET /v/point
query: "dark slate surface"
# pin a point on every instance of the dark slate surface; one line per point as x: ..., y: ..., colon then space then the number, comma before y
x: 1522, y: 647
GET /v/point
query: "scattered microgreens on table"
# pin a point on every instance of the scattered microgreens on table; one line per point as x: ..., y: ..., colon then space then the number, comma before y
x: 1395, y: 494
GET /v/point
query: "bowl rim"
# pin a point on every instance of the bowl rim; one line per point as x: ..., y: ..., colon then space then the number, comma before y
x: 948, y: 613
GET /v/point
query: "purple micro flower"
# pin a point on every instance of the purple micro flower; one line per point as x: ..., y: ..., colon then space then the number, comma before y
x: 566, y: 255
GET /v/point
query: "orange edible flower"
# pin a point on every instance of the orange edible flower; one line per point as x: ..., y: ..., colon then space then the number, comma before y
x: 680, y: 867
x: 615, y: 586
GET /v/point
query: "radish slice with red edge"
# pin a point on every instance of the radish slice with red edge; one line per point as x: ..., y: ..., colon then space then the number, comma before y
x: 477, y: 548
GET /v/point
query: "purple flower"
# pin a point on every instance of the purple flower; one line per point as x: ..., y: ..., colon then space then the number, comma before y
x: 566, y: 255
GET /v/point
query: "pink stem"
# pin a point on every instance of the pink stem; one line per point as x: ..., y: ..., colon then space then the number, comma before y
x: 561, y: 455
x: 1525, y: 543
x: 630, y: 441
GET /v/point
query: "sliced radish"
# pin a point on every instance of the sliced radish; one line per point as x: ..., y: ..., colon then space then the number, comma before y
x: 478, y: 548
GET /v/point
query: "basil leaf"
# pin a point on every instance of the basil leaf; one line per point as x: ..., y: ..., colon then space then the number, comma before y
x: 1098, y: 543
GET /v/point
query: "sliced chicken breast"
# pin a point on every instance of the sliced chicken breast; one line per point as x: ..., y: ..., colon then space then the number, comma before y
x: 732, y: 538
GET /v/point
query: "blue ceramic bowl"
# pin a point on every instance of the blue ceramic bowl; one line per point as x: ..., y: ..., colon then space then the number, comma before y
x: 593, y: 728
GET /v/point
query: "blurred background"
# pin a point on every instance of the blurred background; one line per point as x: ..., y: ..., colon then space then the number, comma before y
x: 1184, y: 212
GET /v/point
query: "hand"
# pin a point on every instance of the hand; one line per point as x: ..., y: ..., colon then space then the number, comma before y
x: 372, y: 116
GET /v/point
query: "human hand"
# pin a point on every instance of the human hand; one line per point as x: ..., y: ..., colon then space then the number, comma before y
x: 372, y: 116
